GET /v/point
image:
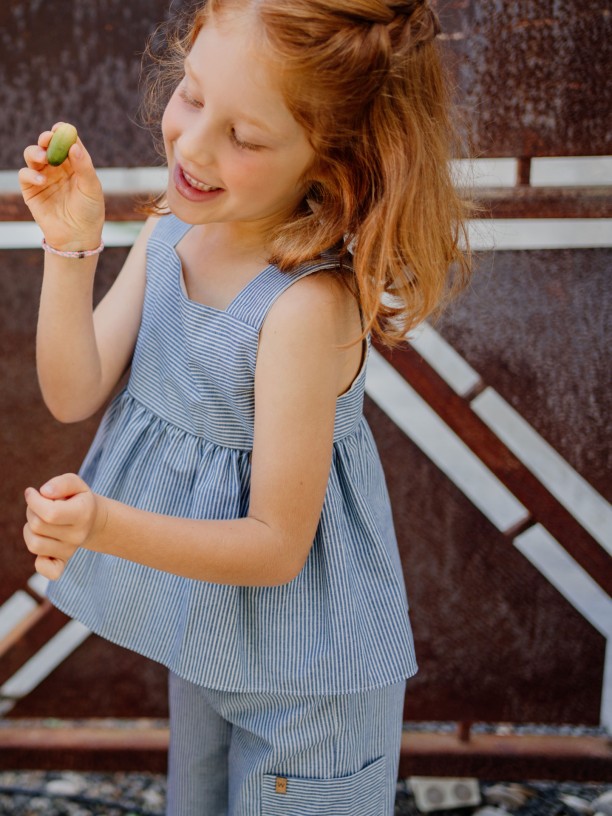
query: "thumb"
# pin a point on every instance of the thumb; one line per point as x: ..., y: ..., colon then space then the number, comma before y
x: 82, y: 164
x: 63, y: 487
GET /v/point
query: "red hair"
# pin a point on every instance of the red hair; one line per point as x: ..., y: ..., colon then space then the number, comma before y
x: 366, y: 80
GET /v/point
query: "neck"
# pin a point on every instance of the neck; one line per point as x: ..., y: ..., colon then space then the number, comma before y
x: 233, y: 241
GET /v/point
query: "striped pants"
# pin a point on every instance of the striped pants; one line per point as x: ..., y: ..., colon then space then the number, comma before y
x: 234, y: 754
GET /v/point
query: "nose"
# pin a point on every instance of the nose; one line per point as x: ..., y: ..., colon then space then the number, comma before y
x: 196, y: 145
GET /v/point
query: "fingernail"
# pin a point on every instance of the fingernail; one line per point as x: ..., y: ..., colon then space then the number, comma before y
x: 39, y: 179
x: 76, y: 151
x: 48, y: 489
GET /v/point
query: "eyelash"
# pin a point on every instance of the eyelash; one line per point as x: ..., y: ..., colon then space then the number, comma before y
x: 238, y: 142
x: 243, y: 145
x: 189, y: 99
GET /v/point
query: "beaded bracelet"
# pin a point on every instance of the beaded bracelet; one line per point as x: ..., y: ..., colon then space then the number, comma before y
x: 83, y: 253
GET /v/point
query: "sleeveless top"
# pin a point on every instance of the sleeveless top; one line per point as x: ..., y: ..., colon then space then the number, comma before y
x: 177, y: 441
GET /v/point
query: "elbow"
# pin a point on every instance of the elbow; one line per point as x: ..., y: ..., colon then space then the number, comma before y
x: 68, y: 413
x: 69, y: 403
x: 281, y: 558
x: 292, y: 569
x: 67, y: 418
x: 286, y: 567
x: 280, y: 576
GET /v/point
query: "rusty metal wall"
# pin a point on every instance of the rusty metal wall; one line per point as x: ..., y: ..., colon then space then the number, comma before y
x: 77, y: 62
x: 486, y: 621
x: 534, y: 78
x: 533, y: 325
x: 537, y: 326
x: 99, y: 677
x: 33, y: 445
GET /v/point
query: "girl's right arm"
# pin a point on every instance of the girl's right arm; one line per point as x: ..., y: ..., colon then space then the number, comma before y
x: 80, y: 355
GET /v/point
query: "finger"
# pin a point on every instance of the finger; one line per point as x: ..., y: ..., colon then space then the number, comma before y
x: 41, y: 527
x: 64, y: 486
x: 59, y: 540
x: 40, y: 506
x: 50, y: 568
x: 83, y: 166
x: 38, y: 544
x: 28, y: 177
x: 44, y: 139
x: 46, y: 136
x: 58, y: 513
x: 35, y: 157
x: 47, y: 547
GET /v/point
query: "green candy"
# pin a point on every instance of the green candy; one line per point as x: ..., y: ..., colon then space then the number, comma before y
x: 61, y: 142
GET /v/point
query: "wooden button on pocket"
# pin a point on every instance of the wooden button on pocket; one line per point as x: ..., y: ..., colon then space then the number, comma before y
x: 360, y: 794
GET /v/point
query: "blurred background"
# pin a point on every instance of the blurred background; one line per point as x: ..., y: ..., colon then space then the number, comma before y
x: 493, y: 423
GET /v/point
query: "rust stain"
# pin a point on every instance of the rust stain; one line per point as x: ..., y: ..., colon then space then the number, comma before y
x: 534, y: 77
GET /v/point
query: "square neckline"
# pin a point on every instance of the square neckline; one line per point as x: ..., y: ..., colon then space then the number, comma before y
x: 199, y: 303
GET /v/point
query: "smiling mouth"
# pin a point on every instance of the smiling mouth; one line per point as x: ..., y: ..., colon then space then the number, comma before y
x: 198, y: 185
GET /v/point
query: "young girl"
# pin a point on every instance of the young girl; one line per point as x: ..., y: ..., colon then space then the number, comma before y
x: 231, y: 519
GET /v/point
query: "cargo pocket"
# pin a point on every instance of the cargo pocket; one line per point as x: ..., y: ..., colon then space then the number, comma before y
x: 361, y: 794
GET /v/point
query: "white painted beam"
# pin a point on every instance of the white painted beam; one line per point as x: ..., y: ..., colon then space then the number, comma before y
x: 420, y: 423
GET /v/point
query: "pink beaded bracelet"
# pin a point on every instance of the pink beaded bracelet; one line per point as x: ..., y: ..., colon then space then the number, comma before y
x: 83, y: 253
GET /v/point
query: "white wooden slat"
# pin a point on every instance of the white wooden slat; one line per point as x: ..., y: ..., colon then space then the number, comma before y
x: 420, y: 423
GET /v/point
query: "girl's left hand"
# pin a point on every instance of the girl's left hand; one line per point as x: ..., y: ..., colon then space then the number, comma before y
x: 62, y: 516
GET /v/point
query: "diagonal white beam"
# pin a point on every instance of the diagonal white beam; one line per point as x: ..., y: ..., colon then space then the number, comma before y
x: 420, y: 423
x: 573, y: 491
x: 574, y: 583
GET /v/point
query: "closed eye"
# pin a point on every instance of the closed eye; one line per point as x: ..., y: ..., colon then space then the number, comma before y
x: 195, y: 103
x: 242, y: 144
x: 190, y: 100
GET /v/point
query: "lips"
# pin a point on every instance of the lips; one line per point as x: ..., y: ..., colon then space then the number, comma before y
x: 192, y: 188
x: 199, y: 185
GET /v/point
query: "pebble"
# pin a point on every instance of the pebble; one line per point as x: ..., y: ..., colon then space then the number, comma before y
x: 603, y: 803
x: 510, y: 796
x: 49, y: 793
x: 65, y: 786
x: 153, y: 798
x: 577, y: 803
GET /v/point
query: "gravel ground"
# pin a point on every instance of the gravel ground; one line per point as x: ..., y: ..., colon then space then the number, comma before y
x: 68, y: 793
x: 50, y: 793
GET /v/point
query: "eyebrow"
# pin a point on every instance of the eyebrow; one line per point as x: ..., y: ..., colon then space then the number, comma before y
x: 242, y: 118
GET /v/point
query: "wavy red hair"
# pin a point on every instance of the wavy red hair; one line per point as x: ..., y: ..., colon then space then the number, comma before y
x: 366, y: 80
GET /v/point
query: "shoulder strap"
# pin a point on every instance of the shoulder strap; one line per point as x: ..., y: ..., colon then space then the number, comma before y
x: 170, y: 229
x: 255, y: 300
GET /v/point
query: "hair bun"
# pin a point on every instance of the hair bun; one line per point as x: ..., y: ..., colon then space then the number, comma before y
x: 416, y: 22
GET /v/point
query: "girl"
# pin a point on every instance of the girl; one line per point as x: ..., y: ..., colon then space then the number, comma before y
x: 231, y: 519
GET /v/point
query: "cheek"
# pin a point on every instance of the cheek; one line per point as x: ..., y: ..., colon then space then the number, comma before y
x: 250, y: 170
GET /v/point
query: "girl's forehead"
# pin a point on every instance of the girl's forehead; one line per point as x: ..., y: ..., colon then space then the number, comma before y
x: 227, y: 64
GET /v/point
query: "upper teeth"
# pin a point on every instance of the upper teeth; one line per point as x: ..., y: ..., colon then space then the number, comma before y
x: 199, y: 185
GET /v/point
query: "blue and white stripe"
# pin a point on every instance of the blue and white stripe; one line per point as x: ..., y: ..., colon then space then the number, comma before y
x: 291, y: 755
x: 177, y: 441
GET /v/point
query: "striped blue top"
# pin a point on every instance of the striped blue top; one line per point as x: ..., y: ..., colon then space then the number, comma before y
x: 177, y: 441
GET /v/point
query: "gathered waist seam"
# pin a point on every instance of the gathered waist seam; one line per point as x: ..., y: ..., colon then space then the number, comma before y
x: 191, y: 432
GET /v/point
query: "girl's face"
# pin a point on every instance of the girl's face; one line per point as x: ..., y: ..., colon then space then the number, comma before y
x: 235, y: 152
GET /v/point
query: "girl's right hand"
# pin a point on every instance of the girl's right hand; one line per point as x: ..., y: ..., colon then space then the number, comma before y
x: 67, y: 201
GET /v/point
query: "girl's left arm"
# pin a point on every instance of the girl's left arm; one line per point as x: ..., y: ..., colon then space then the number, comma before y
x: 296, y: 386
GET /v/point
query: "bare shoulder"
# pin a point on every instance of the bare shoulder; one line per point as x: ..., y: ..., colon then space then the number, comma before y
x: 311, y: 333
x: 319, y: 303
